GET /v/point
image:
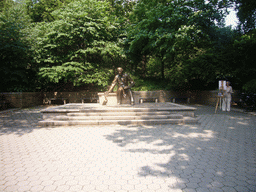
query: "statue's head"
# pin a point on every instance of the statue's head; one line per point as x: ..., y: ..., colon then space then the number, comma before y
x: 120, y: 70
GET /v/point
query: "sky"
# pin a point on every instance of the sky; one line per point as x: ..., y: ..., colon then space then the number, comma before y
x: 232, y: 19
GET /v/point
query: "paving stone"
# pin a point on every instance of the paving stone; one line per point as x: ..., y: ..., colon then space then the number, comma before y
x: 189, y: 190
x: 12, y: 188
x: 216, y: 155
x: 217, y: 184
x: 76, y: 188
x: 35, y: 183
x: 37, y: 188
x: 229, y: 189
x: 241, y: 188
x: 122, y: 182
x: 115, y: 187
x: 195, y: 180
x: 10, y: 183
x: 63, y: 188
x: 192, y: 185
x: 49, y: 188
x: 21, y: 178
x: 229, y: 184
x: 251, y: 187
x: 109, y: 182
x: 9, y: 178
x: 203, y: 189
x: 24, y: 188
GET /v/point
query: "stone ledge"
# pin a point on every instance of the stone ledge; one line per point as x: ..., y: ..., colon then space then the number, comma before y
x: 96, y: 114
x: 186, y: 120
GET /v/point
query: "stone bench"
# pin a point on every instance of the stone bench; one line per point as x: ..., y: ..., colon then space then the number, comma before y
x: 58, y: 101
x: 90, y: 100
x: 148, y: 99
x: 180, y: 99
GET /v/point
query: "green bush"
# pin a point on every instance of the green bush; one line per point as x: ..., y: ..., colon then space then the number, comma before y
x: 250, y: 86
x: 148, y: 84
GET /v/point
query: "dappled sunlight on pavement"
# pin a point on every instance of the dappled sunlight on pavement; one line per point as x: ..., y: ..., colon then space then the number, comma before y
x: 218, y: 154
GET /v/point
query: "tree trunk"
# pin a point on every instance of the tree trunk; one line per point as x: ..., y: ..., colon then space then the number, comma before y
x: 162, y: 68
x: 144, y: 63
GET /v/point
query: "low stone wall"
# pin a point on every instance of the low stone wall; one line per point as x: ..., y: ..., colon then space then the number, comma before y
x: 30, y: 99
x: 76, y: 97
x: 23, y: 99
x: 199, y: 97
x: 162, y: 96
x: 70, y: 97
x: 209, y: 97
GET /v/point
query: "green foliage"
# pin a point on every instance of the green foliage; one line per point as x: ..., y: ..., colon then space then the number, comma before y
x: 122, y: 8
x: 16, y: 73
x: 149, y: 84
x: 41, y: 10
x: 250, y: 87
x: 246, y: 14
x: 78, y: 45
x: 167, y: 44
x: 5, y: 4
x: 174, y: 34
x: 243, y: 57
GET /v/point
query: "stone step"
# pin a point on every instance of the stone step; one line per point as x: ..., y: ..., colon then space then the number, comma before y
x: 117, y: 109
x: 119, y: 113
x: 95, y: 114
x: 185, y: 120
x: 119, y: 117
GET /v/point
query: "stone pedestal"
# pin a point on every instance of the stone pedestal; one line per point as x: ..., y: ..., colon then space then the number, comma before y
x: 112, y: 99
x: 79, y: 114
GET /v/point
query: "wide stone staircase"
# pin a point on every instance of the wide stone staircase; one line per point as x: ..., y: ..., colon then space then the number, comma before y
x: 94, y: 114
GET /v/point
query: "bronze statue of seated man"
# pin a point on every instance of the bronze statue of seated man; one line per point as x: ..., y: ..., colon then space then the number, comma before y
x: 124, y: 83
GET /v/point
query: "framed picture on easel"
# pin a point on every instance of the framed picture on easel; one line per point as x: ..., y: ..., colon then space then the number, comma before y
x: 222, y: 85
x: 222, y: 88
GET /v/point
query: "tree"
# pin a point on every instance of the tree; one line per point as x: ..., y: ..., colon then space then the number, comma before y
x: 16, y: 71
x: 5, y: 4
x: 246, y: 12
x: 41, y: 10
x: 244, y: 56
x: 78, y: 46
x: 122, y: 8
x: 173, y: 32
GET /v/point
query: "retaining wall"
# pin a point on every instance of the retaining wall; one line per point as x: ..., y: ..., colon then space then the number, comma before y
x: 71, y: 97
x: 30, y: 99
x: 200, y: 97
x: 23, y: 99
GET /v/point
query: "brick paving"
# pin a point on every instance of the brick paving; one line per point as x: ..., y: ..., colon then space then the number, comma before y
x: 219, y: 154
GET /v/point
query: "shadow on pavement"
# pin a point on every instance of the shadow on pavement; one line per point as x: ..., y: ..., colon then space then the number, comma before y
x: 20, y: 121
x: 214, y: 155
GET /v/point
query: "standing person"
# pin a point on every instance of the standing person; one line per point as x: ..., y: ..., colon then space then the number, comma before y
x: 226, y: 100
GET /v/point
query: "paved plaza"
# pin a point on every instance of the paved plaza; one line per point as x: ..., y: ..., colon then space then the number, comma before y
x: 219, y: 154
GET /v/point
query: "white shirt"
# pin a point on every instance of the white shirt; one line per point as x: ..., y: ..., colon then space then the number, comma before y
x: 228, y: 92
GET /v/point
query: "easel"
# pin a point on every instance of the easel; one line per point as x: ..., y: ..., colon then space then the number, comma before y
x: 218, y: 102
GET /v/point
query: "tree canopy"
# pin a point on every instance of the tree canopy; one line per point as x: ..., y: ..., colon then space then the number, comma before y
x: 246, y: 13
x: 177, y: 33
x: 166, y: 44
x: 15, y: 54
x: 78, y: 44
